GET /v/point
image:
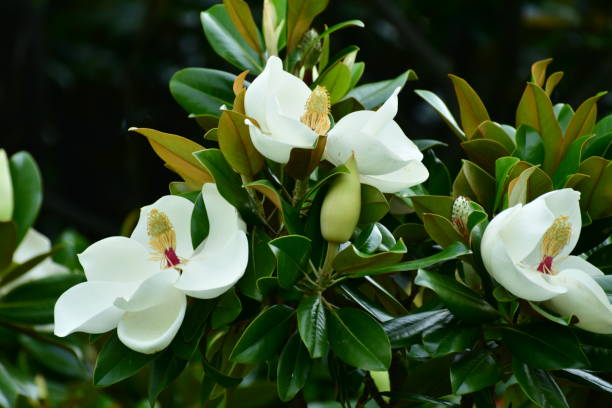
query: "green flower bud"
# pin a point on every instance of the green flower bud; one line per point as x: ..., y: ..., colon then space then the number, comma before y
x: 342, y: 205
x: 6, y: 189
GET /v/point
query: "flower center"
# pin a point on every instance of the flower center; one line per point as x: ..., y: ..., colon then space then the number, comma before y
x: 555, y: 238
x: 317, y: 109
x: 162, y: 238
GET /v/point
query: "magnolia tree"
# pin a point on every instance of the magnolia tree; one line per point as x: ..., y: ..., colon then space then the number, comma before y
x: 312, y: 254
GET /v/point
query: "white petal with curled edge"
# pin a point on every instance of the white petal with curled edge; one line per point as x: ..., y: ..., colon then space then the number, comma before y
x: 383, y: 115
x: 410, y: 175
x: 274, y: 149
x: 565, y: 203
x: 151, y: 330
x: 178, y: 209
x: 88, y: 307
x: 117, y: 259
x: 34, y: 243
x: 584, y: 299
x: 291, y: 94
x: 576, y: 262
x: 224, y: 221
x: 211, y: 273
x: 149, y: 292
x: 256, y: 96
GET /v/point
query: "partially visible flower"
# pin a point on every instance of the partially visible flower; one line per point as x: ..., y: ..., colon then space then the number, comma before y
x: 386, y: 158
x: 287, y: 113
x: 6, y: 189
x: 527, y: 250
x: 138, y: 284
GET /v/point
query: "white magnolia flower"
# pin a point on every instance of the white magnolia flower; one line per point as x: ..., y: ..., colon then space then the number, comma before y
x: 386, y: 158
x: 138, y: 284
x: 285, y: 113
x: 526, y: 248
x: 6, y: 189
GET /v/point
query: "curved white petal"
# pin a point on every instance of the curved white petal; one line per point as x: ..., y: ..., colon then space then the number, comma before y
x: 149, y: 291
x: 520, y: 280
x: 565, y: 203
x: 151, y: 330
x: 256, y: 96
x: 291, y: 94
x: 410, y: 175
x: 210, y: 273
x: 178, y: 209
x: 6, y: 189
x: 223, y: 218
x: 88, y: 307
x: 117, y: 259
x: 576, y: 262
x: 277, y: 150
x: 33, y: 244
x: 383, y: 115
x: 584, y: 299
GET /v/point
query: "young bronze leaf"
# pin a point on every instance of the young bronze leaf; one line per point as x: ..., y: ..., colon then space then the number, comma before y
x: 473, y: 111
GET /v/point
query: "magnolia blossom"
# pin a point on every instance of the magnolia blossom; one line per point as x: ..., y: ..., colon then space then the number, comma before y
x: 386, y: 158
x: 526, y: 248
x: 285, y: 116
x: 138, y: 284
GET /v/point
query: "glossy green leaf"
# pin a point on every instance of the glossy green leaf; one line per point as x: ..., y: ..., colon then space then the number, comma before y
x: 439, y: 180
x: 375, y: 94
x: 293, y: 368
x: 352, y: 261
x: 261, y: 340
x: 312, y: 325
x: 473, y: 111
x: 440, y: 107
x: 27, y: 191
x: 337, y: 80
x: 484, y: 152
x: 199, y: 222
x: 475, y: 183
x: 452, y: 252
x: 597, y: 348
x: 602, y: 258
x: 116, y: 362
x: 564, y: 114
x: 441, y: 230
x: 545, y: 345
x: 374, y: 205
x: 411, y: 233
x: 406, y: 330
x: 538, y: 71
x: 503, y: 166
x: 474, y: 370
x: 529, y: 145
x: 358, y: 340
x: 433, y: 204
x: 583, y: 121
x: 453, y: 338
x: 586, y: 378
x: 261, y: 263
x: 202, y: 91
x: 9, y: 388
x: 227, y: 42
x: 552, y: 81
x: 570, y: 163
x: 535, y: 181
x: 165, y: 369
x: 240, y: 14
x: 599, y: 145
x: 460, y: 300
x: 539, y: 386
x: 227, y: 310
x: 223, y: 380
x: 236, y: 145
x: 596, y: 190
x: 300, y: 14
x: 292, y: 258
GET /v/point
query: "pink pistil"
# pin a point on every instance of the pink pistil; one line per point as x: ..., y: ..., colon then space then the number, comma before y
x: 171, y: 257
x: 546, y: 265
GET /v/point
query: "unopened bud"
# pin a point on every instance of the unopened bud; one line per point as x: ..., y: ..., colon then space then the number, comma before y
x: 6, y: 189
x: 460, y: 213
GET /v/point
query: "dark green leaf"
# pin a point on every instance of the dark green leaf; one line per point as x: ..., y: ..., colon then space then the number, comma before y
x: 261, y: 263
x: 354, y: 262
x: 293, y: 368
x: 376, y: 93
x: 202, y: 91
x: 292, y: 258
x: 473, y: 371
x: 529, y: 146
x: 228, y: 308
x: 27, y: 191
x: 8, y: 237
x: 374, y: 205
x: 406, y: 330
x: 312, y: 325
x: 586, y: 378
x: 116, y: 362
x: 539, y: 386
x: 199, y: 222
x: 223, y: 380
x: 455, y: 337
x: 300, y: 14
x: 165, y: 369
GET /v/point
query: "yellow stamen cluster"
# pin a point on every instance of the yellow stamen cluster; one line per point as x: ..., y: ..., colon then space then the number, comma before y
x: 317, y: 112
x: 556, y: 237
x: 161, y: 234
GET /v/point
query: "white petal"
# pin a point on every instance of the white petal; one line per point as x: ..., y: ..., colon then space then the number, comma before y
x: 151, y: 330
x: 256, y: 96
x: 410, y: 175
x: 178, y: 209
x: 224, y: 221
x: 584, y: 299
x: 149, y: 292
x: 33, y: 244
x: 565, y: 203
x: 210, y: 273
x: 521, y: 281
x: 6, y: 189
x: 118, y: 259
x: 278, y: 150
x: 383, y: 115
x: 292, y: 94
x: 88, y: 307
x: 576, y: 262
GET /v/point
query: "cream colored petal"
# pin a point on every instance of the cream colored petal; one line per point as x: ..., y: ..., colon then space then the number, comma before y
x: 6, y: 189
x: 584, y: 299
x: 576, y: 262
x: 153, y: 329
x: 178, y: 209
x: 118, y: 259
x: 88, y: 307
x: 410, y: 175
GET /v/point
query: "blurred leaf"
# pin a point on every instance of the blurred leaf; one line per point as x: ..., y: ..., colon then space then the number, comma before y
x: 27, y: 191
x: 53, y: 357
x: 597, y: 348
x: 473, y: 111
x: 545, y: 345
x: 236, y: 145
x: 456, y: 337
x: 374, y: 205
x: 411, y: 233
x: 344, y: 107
x: 358, y: 340
x: 241, y: 16
x: 460, y: 300
x: 439, y: 181
x: 564, y: 114
x: 293, y: 368
x: 376, y: 93
x: 70, y: 243
x: 406, y: 330
x: 602, y: 258
x: 261, y: 340
x: 227, y: 42
x: 165, y: 369
x: 583, y: 121
x: 440, y: 107
x: 202, y: 91
x: 177, y: 152
x: 8, y: 237
x: 227, y: 309
x: 583, y: 377
x: 9, y: 389
x: 292, y: 258
x: 552, y: 82
x: 300, y: 14
x: 117, y: 362
x: 596, y: 191
x: 529, y: 146
x: 426, y: 144
x: 603, y: 126
x: 223, y: 380
x: 474, y: 370
x: 539, y: 386
x: 312, y: 325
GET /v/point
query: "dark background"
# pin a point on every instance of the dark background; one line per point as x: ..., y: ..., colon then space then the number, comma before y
x: 75, y: 75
